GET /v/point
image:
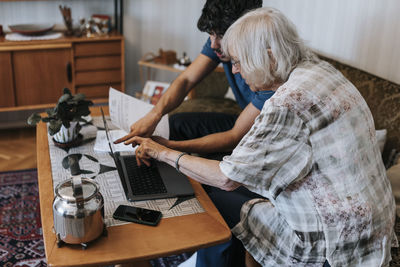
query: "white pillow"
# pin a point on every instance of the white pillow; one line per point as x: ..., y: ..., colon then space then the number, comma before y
x: 381, y: 138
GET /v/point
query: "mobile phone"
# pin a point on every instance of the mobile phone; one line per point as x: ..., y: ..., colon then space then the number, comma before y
x: 137, y: 215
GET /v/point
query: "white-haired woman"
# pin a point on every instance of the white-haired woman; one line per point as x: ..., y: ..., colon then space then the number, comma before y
x: 312, y: 153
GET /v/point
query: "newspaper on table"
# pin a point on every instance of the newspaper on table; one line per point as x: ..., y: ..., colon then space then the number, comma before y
x: 100, y: 167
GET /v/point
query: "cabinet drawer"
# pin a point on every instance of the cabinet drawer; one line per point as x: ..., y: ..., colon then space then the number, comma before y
x: 98, y: 48
x: 98, y: 63
x: 98, y: 77
x: 97, y: 91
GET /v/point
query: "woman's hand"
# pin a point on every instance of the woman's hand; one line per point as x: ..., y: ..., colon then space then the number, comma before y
x: 143, y: 127
x: 147, y: 149
x: 161, y: 140
x: 203, y: 170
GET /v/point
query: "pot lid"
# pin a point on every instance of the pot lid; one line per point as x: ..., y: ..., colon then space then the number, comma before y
x: 65, y: 190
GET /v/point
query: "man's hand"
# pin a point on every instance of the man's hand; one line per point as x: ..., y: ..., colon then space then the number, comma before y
x: 161, y: 140
x: 143, y: 127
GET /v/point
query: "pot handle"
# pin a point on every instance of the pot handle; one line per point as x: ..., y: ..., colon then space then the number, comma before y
x: 76, y: 180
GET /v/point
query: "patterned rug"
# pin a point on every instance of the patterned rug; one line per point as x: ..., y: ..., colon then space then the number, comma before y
x: 21, y: 242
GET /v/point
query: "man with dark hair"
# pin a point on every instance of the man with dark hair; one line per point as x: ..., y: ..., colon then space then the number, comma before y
x: 218, y: 132
x: 216, y: 17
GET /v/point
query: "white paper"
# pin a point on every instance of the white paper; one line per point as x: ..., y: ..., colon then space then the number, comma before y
x: 101, y: 144
x: 125, y: 110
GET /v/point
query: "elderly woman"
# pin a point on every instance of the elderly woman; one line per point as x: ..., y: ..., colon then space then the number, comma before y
x: 312, y: 153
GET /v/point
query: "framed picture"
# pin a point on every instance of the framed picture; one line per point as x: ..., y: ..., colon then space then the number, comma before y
x: 153, y: 90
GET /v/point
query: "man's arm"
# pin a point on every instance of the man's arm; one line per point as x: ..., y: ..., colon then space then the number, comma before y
x: 172, y: 98
x: 218, y: 142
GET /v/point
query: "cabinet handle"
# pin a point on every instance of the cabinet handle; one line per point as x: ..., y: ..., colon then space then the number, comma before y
x: 69, y: 72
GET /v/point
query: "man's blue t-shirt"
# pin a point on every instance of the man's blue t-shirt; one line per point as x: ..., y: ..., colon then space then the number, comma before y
x: 240, y: 89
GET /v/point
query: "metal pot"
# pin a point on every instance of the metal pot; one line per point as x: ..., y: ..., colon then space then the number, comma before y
x: 78, y: 209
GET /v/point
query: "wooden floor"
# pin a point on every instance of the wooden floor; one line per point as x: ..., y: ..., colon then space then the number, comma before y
x: 17, y: 149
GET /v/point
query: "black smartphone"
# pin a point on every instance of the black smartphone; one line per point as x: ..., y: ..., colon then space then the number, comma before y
x: 137, y: 215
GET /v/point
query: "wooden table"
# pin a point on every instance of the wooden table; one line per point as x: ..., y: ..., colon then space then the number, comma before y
x: 131, y: 242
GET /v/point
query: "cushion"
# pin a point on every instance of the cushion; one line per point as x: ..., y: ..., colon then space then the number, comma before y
x: 393, y: 174
x: 221, y: 105
x: 381, y: 138
x: 215, y: 85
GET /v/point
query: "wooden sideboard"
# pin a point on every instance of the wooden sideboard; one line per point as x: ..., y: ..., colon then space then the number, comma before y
x: 33, y: 73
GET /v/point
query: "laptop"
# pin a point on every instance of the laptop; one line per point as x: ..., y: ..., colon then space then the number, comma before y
x: 160, y: 180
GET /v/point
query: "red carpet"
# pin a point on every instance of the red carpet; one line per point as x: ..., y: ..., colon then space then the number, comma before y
x: 21, y: 242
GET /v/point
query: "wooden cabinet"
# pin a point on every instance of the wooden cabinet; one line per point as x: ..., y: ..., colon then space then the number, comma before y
x: 40, y: 75
x: 7, y: 97
x: 33, y: 73
x: 97, y: 67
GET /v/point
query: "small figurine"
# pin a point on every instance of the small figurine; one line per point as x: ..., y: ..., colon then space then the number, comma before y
x: 184, y: 60
x: 93, y: 27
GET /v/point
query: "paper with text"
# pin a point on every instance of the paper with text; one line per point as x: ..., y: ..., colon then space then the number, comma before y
x: 101, y: 144
x: 125, y: 110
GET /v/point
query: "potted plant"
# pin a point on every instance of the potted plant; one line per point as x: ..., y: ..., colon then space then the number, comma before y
x: 63, y: 120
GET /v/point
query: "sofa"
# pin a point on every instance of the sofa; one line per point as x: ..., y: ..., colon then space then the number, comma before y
x: 382, y: 97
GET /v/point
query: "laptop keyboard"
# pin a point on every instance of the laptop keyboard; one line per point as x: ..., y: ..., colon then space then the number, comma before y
x: 144, y: 180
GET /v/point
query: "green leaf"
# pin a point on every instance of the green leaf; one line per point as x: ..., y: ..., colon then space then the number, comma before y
x: 62, y: 111
x: 89, y: 102
x: 82, y: 111
x: 51, y: 112
x: 79, y: 97
x: 54, y: 127
x: 34, y: 119
x: 66, y: 123
x: 69, y: 108
x: 66, y: 91
x: 64, y: 98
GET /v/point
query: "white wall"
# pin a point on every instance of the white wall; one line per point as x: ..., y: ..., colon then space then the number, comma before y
x: 19, y: 12
x: 361, y: 33
x: 153, y: 24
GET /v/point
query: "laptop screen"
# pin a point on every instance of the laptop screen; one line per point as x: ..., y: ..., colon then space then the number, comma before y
x: 107, y: 132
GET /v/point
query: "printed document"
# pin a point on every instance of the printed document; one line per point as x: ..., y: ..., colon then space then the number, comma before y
x: 124, y: 111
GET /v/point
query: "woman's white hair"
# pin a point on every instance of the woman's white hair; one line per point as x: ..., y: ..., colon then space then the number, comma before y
x: 267, y: 45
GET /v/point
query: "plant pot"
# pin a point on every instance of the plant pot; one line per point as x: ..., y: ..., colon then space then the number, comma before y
x: 67, y: 135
